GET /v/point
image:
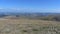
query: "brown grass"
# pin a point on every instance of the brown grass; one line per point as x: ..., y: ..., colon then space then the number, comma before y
x: 27, y: 26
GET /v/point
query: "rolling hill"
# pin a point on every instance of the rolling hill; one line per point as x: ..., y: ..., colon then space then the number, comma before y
x: 28, y: 26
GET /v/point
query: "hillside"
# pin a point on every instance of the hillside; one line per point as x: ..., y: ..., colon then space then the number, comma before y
x: 28, y: 26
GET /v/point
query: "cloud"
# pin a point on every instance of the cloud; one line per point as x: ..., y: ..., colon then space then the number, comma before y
x: 1, y: 8
x: 30, y: 10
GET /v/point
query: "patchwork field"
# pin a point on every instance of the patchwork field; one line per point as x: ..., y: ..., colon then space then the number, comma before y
x: 28, y: 26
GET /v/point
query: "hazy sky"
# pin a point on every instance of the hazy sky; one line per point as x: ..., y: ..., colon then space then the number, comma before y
x: 31, y: 5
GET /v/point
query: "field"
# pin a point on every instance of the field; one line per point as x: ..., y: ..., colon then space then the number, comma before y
x: 28, y: 26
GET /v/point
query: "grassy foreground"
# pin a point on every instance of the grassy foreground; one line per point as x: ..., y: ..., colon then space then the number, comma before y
x: 28, y: 26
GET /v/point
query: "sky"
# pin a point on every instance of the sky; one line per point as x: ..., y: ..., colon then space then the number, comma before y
x: 31, y: 5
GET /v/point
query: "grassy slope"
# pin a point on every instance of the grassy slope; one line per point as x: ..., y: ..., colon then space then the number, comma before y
x: 28, y: 26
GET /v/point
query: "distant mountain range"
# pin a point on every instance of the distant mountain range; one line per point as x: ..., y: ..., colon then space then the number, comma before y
x: 27, y: 14
x: 5, y: 12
